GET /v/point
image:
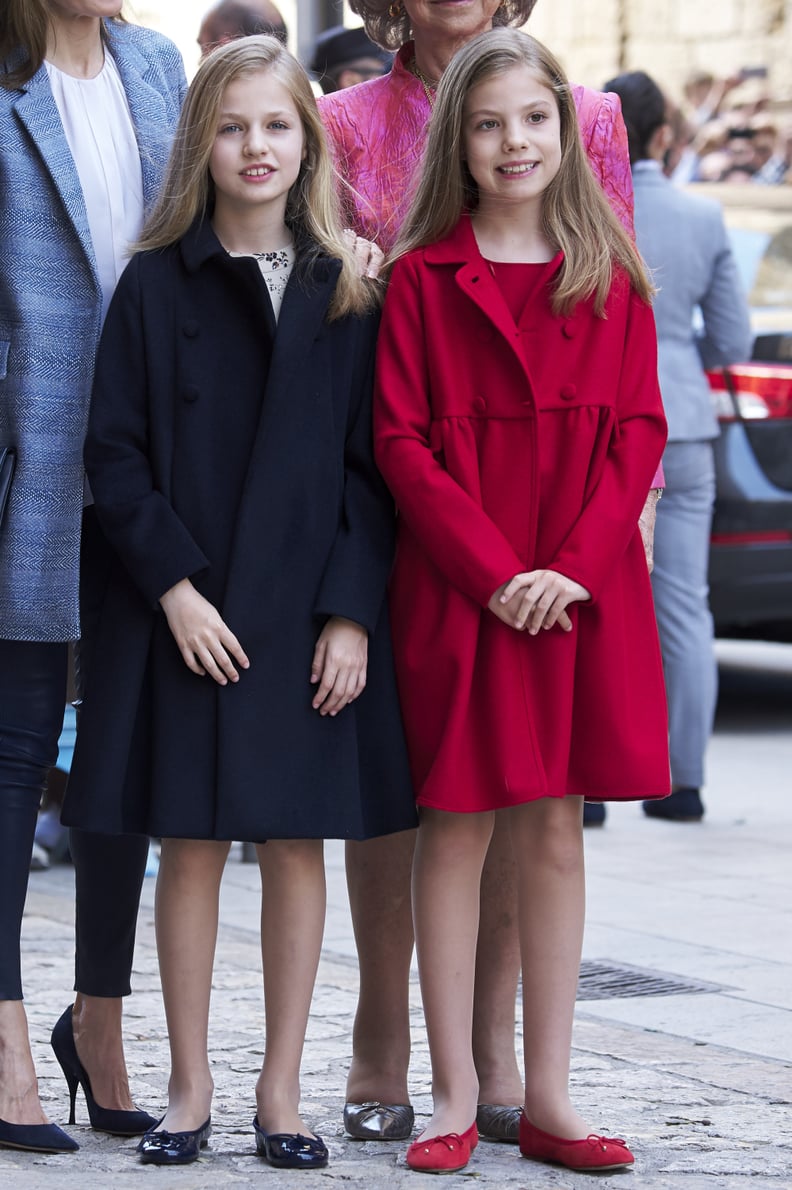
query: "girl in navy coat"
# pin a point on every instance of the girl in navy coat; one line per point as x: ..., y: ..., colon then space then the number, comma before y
x: 229, y: 452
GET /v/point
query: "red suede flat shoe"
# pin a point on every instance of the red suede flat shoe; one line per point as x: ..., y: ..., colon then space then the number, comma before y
x: 592, y: 1153
x: 443, y: 1154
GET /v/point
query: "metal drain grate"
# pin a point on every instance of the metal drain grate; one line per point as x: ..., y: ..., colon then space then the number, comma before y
x: 609, y: 981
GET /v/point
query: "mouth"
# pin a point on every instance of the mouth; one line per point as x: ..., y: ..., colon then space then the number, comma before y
x: 257, y: 171
x: 518, y: 169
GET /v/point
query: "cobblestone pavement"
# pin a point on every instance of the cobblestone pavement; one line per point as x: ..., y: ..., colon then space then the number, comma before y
x: 700, y: 1082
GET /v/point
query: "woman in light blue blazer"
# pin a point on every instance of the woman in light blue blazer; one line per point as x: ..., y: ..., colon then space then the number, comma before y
x: 683, y: 240
x: 88, y: 107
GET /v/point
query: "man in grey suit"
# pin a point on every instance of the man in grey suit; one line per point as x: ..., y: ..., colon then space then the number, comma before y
x: 683, y: 240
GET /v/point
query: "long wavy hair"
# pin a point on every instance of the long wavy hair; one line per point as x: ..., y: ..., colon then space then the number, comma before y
x: 391, y: 32
x: 24, y: 28
x: 576, y: 215
x: 312, y: 209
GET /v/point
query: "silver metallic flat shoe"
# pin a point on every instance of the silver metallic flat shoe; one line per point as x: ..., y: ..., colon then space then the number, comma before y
x: 496, y: 1122
x: 379, y: 1121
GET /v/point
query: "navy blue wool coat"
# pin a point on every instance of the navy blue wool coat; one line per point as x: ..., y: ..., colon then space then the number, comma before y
x: 50, y: 312
x: 239, y: 455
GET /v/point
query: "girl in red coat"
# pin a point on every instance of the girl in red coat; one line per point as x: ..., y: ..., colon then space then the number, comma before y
x: 518, y: 423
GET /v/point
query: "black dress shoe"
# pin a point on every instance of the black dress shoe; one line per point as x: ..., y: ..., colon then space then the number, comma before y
x: 593, y: 813
x: 174, y: 1148
x: 495, y: 1121
x: 683, y: 805
x: 36, y: 1138
x: 290, y: 1150
x: 103, y: 1119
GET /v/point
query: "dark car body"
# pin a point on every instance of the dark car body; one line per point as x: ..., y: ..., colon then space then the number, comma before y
x: 751, y: 547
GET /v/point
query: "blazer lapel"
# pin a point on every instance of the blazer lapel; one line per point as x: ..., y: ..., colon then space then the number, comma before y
x: 151, y: 117
x: 38, y: 111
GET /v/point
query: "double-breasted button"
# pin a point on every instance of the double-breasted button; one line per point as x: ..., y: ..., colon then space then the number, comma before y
x: 568, y: 329
x: 568, y: 392
x: 190, y: 328
x: 190, y: 393
x: 480, y: 404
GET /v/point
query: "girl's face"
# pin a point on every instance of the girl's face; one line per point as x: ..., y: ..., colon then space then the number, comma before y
x: 259, y: 144
x: 511, y: 136
x: 457, y: 20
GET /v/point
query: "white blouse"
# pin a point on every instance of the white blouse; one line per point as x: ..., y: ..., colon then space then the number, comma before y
x: 98, y: 125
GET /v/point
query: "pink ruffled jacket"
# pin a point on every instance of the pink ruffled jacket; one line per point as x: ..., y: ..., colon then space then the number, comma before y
x: 377, y: 132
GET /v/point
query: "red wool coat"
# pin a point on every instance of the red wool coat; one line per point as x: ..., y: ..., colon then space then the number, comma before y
x: 511, y: 447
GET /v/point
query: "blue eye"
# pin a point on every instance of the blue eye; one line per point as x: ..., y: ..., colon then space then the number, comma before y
x: 231, y: 128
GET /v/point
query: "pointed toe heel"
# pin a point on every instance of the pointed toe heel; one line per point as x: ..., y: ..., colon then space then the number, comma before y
x: 36, y: 1138
x: 103, y: 1119
x: 592, y: 1154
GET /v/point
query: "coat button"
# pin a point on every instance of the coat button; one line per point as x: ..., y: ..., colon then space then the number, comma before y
x: 568, y: 329
x: 190, y: 328
x: 568, y: 392
x: 480, y: 404
x: 190, y: 393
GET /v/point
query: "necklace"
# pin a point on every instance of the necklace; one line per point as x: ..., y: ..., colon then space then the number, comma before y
x: 429, y: 88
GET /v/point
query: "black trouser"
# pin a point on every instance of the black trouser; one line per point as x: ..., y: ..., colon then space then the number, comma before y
x: 108, y: 869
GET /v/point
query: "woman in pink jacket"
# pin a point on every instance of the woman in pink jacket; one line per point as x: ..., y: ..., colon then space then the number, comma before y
x: 378, y: 131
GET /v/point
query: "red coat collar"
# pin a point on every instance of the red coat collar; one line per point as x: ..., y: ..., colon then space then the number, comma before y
x: 461, y: 247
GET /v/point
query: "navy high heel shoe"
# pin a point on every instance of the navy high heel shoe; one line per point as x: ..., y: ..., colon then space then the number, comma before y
x: 36, y: 1138
x: 290, y: 1150
x: 103, y: 1119
x: 174, y: 1148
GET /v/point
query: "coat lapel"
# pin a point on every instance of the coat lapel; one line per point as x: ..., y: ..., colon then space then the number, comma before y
x: 151, y: 116
x: 38, y: 112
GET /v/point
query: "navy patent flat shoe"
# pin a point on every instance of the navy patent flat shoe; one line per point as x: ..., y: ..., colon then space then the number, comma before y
x: 290, y: 1150
x: 174, y: 1148
x: 36, y: 1138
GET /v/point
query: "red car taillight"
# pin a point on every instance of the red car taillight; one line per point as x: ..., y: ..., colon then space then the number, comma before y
x: 760, y: 391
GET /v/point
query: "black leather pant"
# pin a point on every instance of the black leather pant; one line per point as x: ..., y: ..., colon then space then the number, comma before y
x: 108, y: 869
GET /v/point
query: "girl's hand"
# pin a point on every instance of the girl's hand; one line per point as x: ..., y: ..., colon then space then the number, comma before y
x: 339, y: 665
x: 646, y: 524
x: 205, y: 642
x: 537, y: 599
x: 368, y: 255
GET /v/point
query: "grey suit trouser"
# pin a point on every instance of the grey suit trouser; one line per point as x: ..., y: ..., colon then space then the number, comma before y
x: 681, y: 595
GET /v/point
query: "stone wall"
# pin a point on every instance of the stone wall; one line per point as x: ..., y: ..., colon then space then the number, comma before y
x: 596, y: 39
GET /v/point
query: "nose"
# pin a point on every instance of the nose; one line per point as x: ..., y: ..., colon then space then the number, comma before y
x: 515, y: 135
x: 255, y: 141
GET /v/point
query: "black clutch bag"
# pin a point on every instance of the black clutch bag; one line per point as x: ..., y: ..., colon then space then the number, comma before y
x: 7, y: 464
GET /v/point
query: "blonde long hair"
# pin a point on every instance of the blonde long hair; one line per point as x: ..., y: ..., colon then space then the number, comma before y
x: 312, y: 208
x: 577, y: 217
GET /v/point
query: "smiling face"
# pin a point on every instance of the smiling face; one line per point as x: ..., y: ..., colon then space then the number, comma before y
x: 259, y: 145
x: 511, y: 137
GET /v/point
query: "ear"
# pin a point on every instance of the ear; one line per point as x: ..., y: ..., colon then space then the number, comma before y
x: 660, y: 141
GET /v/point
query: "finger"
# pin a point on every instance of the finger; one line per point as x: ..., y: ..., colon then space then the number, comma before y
x: 325, y: 685
x: 191, y: 661
x: 564, y: 621
x: 207, y: 659
x: 527, y: 604
x: 317, y: 665
x: 514, y: 585
x: 376, y: 258
x: 234, y: 648
x: 337, y: 699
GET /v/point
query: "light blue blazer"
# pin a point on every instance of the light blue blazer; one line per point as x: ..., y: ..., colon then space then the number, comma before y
x: 50, y: 313
x: 683, y: 239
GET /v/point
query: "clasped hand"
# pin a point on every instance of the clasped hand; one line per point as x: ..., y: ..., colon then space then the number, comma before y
x: 537, y: 599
